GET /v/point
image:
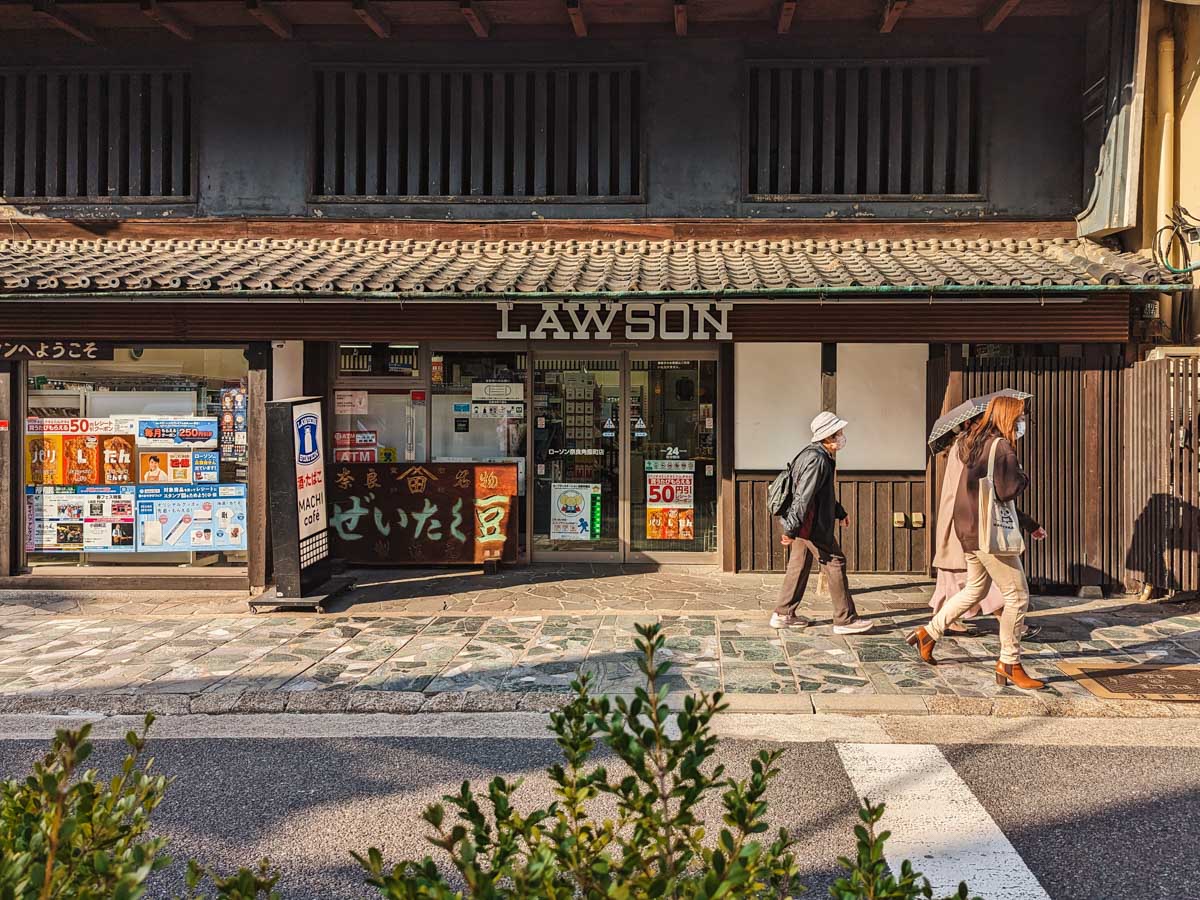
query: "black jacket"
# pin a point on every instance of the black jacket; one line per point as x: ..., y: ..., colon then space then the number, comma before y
x: 814, y: 477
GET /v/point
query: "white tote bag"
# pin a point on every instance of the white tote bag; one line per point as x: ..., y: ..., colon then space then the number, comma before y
x: 999, y: 528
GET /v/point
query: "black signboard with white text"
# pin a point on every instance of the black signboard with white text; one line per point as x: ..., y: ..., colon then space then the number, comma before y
x: 296, y: 475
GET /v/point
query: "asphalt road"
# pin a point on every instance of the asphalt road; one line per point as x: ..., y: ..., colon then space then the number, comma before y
x: 1089, y: 822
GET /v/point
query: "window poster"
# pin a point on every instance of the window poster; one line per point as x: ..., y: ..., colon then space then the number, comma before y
x: 233, y: 438
x: 185, y: 432
x: 81, y: 459
x: 670, y: 502
x: 575, y: 514
x: 70, y: 519
x: 116, y: 456
x: 191, y: 517
x: 165, y: 467
x: 43, y: 458
x: 206, y: 467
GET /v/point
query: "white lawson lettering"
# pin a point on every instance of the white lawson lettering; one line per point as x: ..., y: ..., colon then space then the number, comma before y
x: 644, y: 321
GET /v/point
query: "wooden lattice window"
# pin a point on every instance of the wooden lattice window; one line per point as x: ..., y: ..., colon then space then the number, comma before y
x: 863, y: 130
x: 70, y: 135
x: 466, y: 134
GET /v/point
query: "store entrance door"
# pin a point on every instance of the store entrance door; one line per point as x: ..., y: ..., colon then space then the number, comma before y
x: 577, y: 454
x: 625, y: 457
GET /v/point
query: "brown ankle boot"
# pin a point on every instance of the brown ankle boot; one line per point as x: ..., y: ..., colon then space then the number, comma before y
x: 1015, y: 675
x: 924, y: 644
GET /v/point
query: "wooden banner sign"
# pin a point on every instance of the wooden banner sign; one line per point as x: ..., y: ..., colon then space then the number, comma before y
x: 429, y: 514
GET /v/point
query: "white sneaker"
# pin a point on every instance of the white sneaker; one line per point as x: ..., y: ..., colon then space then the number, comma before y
x: 858, y: 626
x: 778, y: 621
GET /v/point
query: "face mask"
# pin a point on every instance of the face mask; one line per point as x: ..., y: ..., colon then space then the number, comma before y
x: 1020, y: 428
x: 840, y: 441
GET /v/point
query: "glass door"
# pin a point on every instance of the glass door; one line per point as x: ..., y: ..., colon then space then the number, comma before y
x: 577, y: 456
x: 672, y: 465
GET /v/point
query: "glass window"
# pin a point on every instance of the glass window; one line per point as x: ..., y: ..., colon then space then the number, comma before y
x: 673, y: 455
x: 374, y: 360
x: 479, y: 411
x: 138, y: 460
x: 387, y: 426
x: 576, y: 452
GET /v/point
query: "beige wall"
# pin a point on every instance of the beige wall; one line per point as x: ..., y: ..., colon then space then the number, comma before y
x: 881, y: 393
x: 777, y: 391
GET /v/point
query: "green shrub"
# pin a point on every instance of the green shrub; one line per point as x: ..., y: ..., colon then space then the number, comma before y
x: 656, y: 846
x: 80, y: 838
x: 868, y: 875
x: 64, y: 837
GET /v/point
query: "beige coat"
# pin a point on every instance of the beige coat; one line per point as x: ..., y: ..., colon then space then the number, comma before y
x: 948, y: 552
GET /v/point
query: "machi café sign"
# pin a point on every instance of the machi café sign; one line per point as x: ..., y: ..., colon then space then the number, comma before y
x: 670, y: 321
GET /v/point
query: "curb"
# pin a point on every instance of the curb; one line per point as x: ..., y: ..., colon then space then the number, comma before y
x: 409, y: 703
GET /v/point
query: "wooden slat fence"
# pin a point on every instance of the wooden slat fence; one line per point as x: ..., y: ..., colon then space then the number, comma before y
x: 1158, y: 538
x: 466, y: 134
x: 872, y: 543
x: 863, y: 129
x: 96, y: 135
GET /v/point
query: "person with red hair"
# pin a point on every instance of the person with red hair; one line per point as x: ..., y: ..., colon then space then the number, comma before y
x: 988, y: 445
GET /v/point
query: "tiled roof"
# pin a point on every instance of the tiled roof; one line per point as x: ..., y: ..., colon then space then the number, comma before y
x: 519, y: 267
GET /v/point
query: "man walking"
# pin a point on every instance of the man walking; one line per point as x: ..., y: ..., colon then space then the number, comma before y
x: 808, y: 530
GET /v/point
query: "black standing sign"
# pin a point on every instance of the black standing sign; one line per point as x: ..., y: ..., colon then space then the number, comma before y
x: 296, y: 474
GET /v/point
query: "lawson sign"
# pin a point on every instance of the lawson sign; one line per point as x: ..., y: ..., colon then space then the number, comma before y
x: 670, y: 321
x: 310, y: 469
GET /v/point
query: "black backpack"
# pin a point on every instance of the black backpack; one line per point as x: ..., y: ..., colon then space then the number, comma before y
x: 779, y: 494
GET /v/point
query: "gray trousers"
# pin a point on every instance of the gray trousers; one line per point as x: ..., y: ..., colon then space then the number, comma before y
x: 801, y: 555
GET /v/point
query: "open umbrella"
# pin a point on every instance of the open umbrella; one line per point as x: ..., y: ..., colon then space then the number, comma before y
x: 946, y: 427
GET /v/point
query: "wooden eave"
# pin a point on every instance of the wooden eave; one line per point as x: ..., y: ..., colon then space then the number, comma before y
x: 122, y: 21
x: 229, y: 228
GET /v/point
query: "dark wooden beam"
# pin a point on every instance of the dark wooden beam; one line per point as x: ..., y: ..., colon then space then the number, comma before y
x: 787, y: 11
x: 50, y: 11
x: 577, y: 20
x: 277, y: 23
x: 167, y: 19
x: 892, y: 11
x: 994, y: 17
x: 373, y: 18
x: 681, y: 18
x: 476, y: 18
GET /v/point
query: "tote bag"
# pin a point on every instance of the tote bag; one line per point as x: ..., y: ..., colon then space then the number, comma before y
x: 999, y: 530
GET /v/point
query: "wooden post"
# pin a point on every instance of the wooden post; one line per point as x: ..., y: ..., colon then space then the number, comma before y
x: 258, y: 547
x: 829, y: 377
x: 1091, y: 578
x: 727, y: 510
x: 10, y: 470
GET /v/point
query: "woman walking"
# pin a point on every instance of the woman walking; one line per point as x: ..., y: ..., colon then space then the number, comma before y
x: 987, y: 450
x: 948, y: 556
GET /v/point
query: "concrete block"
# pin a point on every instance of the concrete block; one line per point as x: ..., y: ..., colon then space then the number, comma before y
x: 450, y: 701
x: 261, y: 702
x: 317, y: 701
x: 870, y: 704
x: 947, y: 705
x: 215, y: 704
x: 769, y: 703
x: 490, y: 701
x: 398, y: 702
x: 544, y: 701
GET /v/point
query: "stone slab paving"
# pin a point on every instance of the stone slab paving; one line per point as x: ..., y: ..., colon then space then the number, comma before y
x: 405, y: 641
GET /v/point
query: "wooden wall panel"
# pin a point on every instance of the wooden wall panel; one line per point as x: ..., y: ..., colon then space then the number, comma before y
x: 1100, y: 319
x: 871, y: 542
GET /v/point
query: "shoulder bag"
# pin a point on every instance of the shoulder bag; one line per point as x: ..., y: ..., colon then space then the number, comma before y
x: 999, y: 529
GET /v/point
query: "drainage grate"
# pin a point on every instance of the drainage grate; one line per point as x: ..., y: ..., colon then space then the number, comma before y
x: 1137, y: 681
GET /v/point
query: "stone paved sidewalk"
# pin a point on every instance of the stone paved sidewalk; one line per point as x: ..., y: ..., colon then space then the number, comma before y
x: 407, y: 641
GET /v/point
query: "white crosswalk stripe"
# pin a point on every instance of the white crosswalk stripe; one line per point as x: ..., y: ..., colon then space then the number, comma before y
x: 937, y: 822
